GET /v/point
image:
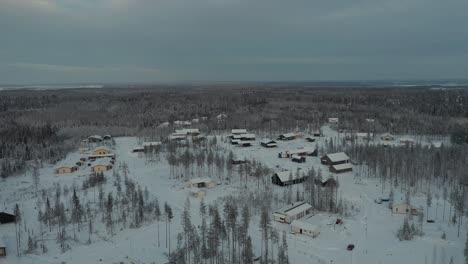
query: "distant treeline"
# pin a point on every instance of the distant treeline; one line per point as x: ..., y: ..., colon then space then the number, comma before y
x: 44, y: 124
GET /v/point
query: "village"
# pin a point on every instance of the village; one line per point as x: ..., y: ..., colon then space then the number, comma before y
x: 325, y: 237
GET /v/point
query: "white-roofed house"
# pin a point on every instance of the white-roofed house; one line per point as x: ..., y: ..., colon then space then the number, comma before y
x: 285, y: 178
x: 387, y: 137
x: 268, y: 143
x: 340, y: 168
x: 292, y: 212
x: 305, y: 227
x: 298, y: 159
x: 239, y: 131
x: 246, y: 137
x: 333, y: 120
x: 288, y: 136
x: 335, y: 158
x: 201, y: 183
x: 101, y: 151
x: 300, y: 152
x: 103, y: 164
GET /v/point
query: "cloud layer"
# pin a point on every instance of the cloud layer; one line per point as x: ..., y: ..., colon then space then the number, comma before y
x: 181, y: 40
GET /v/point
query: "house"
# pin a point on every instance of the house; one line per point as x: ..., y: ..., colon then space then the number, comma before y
x: 285, y: 178
x: 364, y: 136
x: 6, y: 218
x: 370, y: 120
x: 246, y: 137
x: 107, y: 137
x: 305, y: 227
x: 3, y: 252
x: 292, y: 212
x: 404, y: 208
x: 238, y: 131
x: 235, y: 141
x: 197, y: 193
x: 243, y: 143
x: 330, y: 182
x: 104, y: 164
x: 333, y: 120
x: 300, y: 152
x: 95, y: 139
x: 66, y: 169
x: 340, y: 168
x: 268, y: 143
x: 101, y: 151
x: 387, y: 137
x: 201, y: 183
x: 335, y: 159
x: 298, y: 159
x: 310, y: 139
x: 288, y: 136
x: 316, y: 134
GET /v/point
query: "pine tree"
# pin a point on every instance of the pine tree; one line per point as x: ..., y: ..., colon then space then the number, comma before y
x: 157, y: 215
x: 465, y: 252
x: 248, y: 255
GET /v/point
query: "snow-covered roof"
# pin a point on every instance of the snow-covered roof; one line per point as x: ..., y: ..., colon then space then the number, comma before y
x: 387, y: 135
x: 436, y: 144
x: 165, y: 124
x: 239, y: 131
x: 95, y: 137
x: 187, y: 131
x: 236, y: 136
x: 406, y: 139
x: 343, y: 166
x: 364, y: 134
x: 288, y: 135
x: 295, y: 156
x: 284, y: 175
x: 301, y: 150
x: 294, y: 208
x: 340, y: 156
x: 247, y: 135
x: 177, y: 136
x: 102, y: 148
x: 267, y: 141
x: 200, y: 180
x: 155, y: 143
x: 305, y: 224
x: 102, y: 162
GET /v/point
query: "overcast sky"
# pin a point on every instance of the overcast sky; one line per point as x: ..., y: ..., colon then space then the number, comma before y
x: 69, y: 41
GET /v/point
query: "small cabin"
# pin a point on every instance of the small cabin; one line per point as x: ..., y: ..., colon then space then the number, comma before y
x: 404, y: 208
x: 104, y: 164
x: 387, y: 137
x: 66, y: 169
x: 288, y: 136
x: 285, y: 178
x: 102, y: 151
x: 316, y: 134
x: 201, y: 183
x: 298, y: 159
x: 6, y: 218
x: 268, y: 143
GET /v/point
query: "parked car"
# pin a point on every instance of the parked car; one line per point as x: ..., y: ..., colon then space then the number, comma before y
x: 350, y: 247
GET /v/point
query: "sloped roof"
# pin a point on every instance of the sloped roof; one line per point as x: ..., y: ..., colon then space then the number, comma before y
x: 301, y: 150
x: 102, y: 148
x: 294, y: 208
x: 268, y: 141
x: 284, y: 175
x: 247, y: 135
x: 340, y: 156
x: 239, y: 131
x: 101, y: 162
x: 154, y: 143
x: 288, y: 135
x: 343, y: 166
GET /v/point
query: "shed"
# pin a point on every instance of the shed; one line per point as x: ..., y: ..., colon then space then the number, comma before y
x: 285, y: 178
x: 292, y: 212
x: 404, y: 208
x: 316, y: 133
x: 305, y: 227
x: 201, y: 183
x: 335, y: 158
x: 268, y: 143
x: 6, y: 218
x: 3, y: 252
x: 340, y: 168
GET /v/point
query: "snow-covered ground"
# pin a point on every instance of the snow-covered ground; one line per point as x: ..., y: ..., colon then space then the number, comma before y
x: 372, y: 228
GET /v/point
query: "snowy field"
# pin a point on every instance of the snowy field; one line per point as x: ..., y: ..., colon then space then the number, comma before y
x: 371, y: 228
